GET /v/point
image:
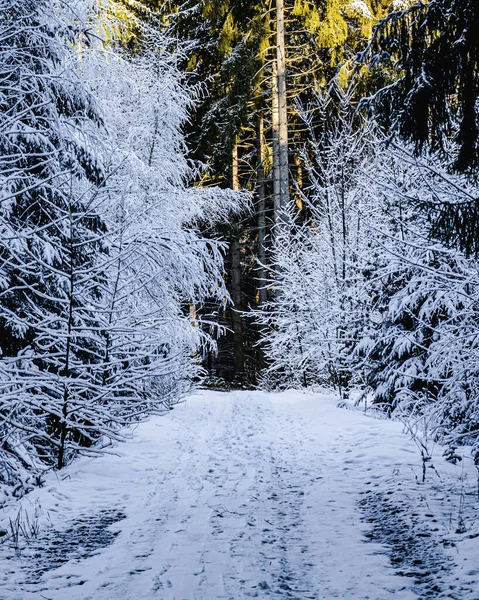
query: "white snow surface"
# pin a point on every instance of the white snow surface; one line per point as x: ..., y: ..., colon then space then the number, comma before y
x: 248, y: 495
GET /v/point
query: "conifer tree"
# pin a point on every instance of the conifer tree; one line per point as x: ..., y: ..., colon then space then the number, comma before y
x: 232, y: 47
x: 433, y: 103
x: 101, y: 253
x: 50, y: 235
x: 435, y: 48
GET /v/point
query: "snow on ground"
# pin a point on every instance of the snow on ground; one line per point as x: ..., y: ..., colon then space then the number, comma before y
x: 250, y: 495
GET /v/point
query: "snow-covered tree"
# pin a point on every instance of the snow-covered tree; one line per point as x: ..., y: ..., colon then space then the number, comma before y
x: 432, y: 103
x: 101, y: 255
x: 49, y: 129
x: 420, y: 350
x: 159, y: 264
x: 364, y: 292
x: 319, y: 261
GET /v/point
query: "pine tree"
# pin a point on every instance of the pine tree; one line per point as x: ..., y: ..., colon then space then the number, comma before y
x: 307, y: 326
x: 101, y: 255
x: 435, y: 51
x: 232, y: 47
x: 159, y: 265
x: 435, y: 48
x: 50, y: 235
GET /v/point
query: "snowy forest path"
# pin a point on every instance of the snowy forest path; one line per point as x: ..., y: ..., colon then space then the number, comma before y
x: 231, y: 496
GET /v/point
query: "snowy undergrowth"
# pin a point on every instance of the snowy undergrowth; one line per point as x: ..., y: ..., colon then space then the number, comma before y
x: 428, y: 526
x: 425, y: 512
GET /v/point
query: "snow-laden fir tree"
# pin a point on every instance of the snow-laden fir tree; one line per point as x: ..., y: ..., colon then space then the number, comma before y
x: 102, y: 261
x: 160, y: 268
x: 364, y: 293
x: 319, y: 261
x: 432, y: 103
x: 49, y: 236
x: 420, y: 352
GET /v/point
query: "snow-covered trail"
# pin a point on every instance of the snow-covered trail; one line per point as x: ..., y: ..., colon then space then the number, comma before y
x: 230, y: 496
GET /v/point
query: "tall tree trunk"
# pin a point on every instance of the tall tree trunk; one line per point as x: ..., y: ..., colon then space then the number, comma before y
x: 275, y: 133
x: 299, y: 182
x: 119, y: 265
x: 261, y: 212
x: 282, y: 105
x: 236, y: 295
x: 66, y: 368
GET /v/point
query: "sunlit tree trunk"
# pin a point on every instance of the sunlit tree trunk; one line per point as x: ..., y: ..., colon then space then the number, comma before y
x: 275, y: 134
x: 282, y: 106
x: 261, y: 212
x: 236, y: 294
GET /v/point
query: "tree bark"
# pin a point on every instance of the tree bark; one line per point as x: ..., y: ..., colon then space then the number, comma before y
x: 276, y: 154
x: 236, y: 294
x: 261, y: 212
x: 299, y: 182
x: 66, y: 369
x: 282, y: 106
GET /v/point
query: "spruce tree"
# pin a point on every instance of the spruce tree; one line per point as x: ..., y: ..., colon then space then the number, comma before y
x: 433, y: 103
x: 231, y: 50
x: 50, y: 235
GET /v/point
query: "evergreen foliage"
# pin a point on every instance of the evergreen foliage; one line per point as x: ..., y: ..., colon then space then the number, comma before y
x: 50, y: 236
x: 318, y: 304
x: 436, y: 51
x: 356, y: 262
x: 433, y: 103
x: 101, y: 254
